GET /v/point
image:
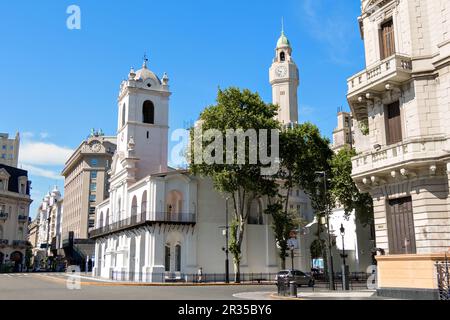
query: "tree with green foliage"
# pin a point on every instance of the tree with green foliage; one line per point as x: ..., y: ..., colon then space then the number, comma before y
x: 344, y: 188
x: 303, y: 152
x: 242, y: 183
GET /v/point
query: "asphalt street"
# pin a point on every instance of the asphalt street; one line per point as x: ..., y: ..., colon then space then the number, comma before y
x: 54, y: 287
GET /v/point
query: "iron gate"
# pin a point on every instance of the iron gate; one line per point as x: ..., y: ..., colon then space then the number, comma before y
x: 443, y: 278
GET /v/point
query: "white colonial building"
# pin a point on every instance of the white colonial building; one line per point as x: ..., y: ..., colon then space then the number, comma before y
x: 161, y: 223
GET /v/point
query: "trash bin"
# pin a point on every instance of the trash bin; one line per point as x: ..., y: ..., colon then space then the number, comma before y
x: 293, y: 287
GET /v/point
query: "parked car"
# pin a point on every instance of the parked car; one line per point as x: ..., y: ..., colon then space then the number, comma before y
x: 297, y: 276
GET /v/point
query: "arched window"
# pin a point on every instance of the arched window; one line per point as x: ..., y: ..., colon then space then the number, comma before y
x: 256, y: 213
x: 124, y: 111
x: 282, y: 56
x: 148, y: 112
x: 100, y: 220
x: 178, y: 258
x: 107, y: 218
x: 20, y: 234
x: 144, y: 206
x: 119, y: 211
x: 167, y: 258
x: 134, y: 207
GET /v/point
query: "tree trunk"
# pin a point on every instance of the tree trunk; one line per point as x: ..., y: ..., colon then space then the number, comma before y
x: 237, y: 268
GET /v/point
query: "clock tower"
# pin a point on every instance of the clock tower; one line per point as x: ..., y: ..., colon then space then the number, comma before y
x: 284, y: 78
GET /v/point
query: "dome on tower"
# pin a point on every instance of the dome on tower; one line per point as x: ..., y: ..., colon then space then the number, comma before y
x: 283, y: 41
x: 145, y: 74
x: 55, y: 192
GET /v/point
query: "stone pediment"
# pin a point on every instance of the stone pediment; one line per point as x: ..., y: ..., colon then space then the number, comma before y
x: 371, y: 6
x: 4, y: 174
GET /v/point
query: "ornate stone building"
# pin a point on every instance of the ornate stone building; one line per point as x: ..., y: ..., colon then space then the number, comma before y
x: 85, y: 186
x: 401, y: 102
x: 14, y: 212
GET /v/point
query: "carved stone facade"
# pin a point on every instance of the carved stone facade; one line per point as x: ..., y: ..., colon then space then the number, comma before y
x: 401, y: 103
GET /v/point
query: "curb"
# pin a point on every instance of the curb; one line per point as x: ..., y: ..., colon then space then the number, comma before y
x: 277, y: 297
x: 138, y: 284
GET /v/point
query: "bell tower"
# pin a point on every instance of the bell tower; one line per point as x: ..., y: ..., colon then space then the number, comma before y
x: 143, y: 128
x: 284, y: 78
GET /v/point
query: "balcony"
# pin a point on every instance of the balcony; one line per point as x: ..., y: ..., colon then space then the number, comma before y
x: 387, y: 159
x: 3, y: 216
x: 3, y: 242
x: 22, y: 219
x: 20, y: 244
x: 395, y: 69
x: 145, y: 219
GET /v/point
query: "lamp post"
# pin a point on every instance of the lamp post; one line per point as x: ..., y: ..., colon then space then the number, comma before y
x: 345, y: 282
x: 227, y: 251
x: 331, y: 267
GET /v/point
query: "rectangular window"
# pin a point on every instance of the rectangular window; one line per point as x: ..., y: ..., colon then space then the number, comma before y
x: 94, y: 162
x: 387, y: 39
x: 393, y: 124
x: 4, y: 147
x: 93, y: 187
x: 91, y: 210
x: 93, y: 174
x: 401, y: 232
x: 92, y: 198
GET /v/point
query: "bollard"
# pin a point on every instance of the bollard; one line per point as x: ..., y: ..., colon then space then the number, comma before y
x: 293, y: 287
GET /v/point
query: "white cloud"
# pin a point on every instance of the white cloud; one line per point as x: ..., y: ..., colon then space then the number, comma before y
x: 27, y: 135
x: 306, y: 110
x: 33, y: 170
x: 43, y: 154
x: 333, y: 31
x: 44, y: 135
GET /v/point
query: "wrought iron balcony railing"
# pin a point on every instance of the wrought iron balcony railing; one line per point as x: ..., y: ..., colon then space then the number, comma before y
x: 4, y: 242
x: 3, y: 216
x: 23, y: 219
x: 142, y: 219
x: 20, y: 243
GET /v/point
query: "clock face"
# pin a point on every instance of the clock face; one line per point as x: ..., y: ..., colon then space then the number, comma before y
x: 281, y: 71
x: 96, y: 147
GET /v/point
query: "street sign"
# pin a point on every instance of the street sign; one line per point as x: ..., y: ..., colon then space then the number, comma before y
x: 292, y: 244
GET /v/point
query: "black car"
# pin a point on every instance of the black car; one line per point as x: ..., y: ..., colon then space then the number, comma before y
x: 297, y: 276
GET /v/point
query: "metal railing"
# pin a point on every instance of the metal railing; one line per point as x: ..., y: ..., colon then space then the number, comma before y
x: 142, y: 218
x: 20, y: 243
x: 178, y: 277
x: 4, y: 242
x: 4, y: 215
x: 22, y: 218
x: 443, y: 277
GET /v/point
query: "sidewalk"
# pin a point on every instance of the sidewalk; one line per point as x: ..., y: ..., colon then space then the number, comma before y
x: 317, y: 295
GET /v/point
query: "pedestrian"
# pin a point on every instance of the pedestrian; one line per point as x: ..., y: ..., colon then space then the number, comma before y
x: 200, y: 274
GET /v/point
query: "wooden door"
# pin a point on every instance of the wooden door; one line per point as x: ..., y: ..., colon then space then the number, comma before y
x: 401, y: 233
x: 387, y: 39
x: 393, y: 123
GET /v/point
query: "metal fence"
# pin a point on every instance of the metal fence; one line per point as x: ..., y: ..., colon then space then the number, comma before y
x: 245, y: 278
x: 358, y: 281
x: 443, y: 277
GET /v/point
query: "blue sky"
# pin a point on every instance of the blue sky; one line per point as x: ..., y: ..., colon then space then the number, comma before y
x: 56, y: 84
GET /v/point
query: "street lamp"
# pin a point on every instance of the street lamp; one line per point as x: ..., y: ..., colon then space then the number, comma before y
x: 345, y: 282
x: 226, y: 249
x: 331, y: 267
